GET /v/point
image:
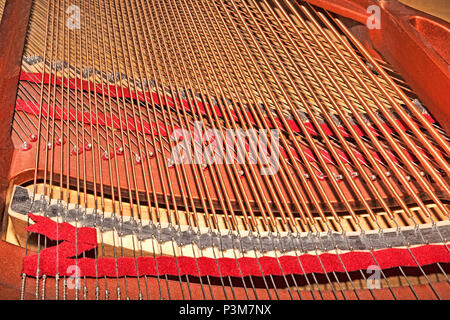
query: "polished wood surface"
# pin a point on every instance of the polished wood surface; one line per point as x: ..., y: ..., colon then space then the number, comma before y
x: 13, y: 28
x: 438, y: 8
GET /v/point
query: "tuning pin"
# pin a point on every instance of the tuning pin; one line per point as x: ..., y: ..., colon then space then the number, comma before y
x: 88, y: 147
x: 25, y: 146
x: 33, y: 138
x: 119, y: 151
x: 60, y: 141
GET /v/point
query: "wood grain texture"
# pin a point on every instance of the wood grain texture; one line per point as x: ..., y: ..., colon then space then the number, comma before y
x: 438, y: 8
x: 13, y: 29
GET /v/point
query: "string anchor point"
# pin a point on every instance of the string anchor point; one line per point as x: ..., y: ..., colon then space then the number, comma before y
x: 25, y: 146
x: 60, y: 141
x: 33, y: 138
x: 76, y: 151
x: 106, y: 155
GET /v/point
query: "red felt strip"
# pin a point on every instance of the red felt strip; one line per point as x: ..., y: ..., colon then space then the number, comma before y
x: 116, y: 122
x: 114, y: 91
x: 89, y: 118
x: 125, y: 266
x: 61, y: 231
x: 129, y: 122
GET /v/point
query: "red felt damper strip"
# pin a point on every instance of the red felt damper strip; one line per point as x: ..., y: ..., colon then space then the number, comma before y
x: 79, y: 240
x: 128, y: 122
x: 117, y: 91
x: 113, y: 91
x: 89, y: 118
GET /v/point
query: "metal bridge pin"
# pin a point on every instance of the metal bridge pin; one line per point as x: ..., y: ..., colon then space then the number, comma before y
x: 119, y: 151
x: 388, y: 173
x: 138, y: 159
x: 85, y: 291
x: 88, y: 147
x: 150, y: 154
x: 49, y: 146
x: 306, y: 176
x: 373, y: 177
x: 33, y: 138
x: 60, y: 141
x: 204, y: 166
x: 106, y: 155
x: 76, y: 151
x: 26, y: 146
x: 408, y: 178
x: 241, y: 173
x: 170, y: 163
